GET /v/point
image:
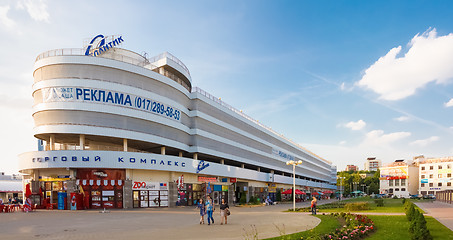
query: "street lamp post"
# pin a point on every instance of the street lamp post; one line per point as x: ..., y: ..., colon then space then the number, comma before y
x: 294, y: 163
x: 341, y: 187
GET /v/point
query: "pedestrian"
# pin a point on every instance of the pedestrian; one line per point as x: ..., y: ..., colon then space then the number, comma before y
x: 202, y: 208
x: 313, y: 206
x: 224, y: 211
x: 210, y: 209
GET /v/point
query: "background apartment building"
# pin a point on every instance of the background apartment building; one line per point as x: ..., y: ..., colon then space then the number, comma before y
x: 435, y: 175
x: 372, y: 164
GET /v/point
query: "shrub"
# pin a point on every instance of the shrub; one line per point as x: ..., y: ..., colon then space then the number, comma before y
x: 413, y: 223
x: 243, y: 199
x: 421, y: 232
x: 404, y: 201
x: 410, y: 212
x: 357, y: 206
x: 379, y: 202
x: 395, y: 197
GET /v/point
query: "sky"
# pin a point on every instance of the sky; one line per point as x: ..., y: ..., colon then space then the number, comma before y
x: 345, y: 79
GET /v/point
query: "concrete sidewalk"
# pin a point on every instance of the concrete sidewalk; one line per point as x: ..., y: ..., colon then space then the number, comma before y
x: 164, y: 223
x: 443, y: 212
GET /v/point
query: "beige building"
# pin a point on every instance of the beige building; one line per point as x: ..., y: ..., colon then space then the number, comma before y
x: 372, y: 164
x: 435, y: 175
x: 399, y: 178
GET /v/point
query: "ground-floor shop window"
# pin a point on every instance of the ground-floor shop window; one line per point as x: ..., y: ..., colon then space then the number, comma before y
x: 150, y: 198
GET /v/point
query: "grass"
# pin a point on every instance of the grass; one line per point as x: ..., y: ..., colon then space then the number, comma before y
x: 396, y: 227
x: 390, y: 206
x: 328, y: 224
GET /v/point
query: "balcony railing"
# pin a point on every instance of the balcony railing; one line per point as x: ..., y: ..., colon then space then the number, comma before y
x: 139, y: 62
x: 239, y: 112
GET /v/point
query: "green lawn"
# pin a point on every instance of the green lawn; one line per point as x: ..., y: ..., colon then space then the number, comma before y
x: 328, y: 224
x: 390, y: 206
x: 395, y: 227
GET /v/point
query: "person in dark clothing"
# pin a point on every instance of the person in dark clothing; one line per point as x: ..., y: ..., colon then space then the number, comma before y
x: 224, y: 210
x: 202, y: 208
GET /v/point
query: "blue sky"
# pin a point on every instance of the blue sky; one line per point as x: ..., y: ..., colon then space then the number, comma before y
x: 346, y: 79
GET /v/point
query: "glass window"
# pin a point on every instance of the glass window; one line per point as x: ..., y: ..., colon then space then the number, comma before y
x: 431, y: 184
x: 423, y: 168
x: 403, y: 182
x: 431, y: 167
x: 422, y: 185
x: 430, y: 176
x: 449, y: 184
x: 439, y: 167
x: 403, y: 189
x: 439, y: 184
x: 423, y: 176
x: 390, y: 182
x: 448, y: 174
x: 48, y: 186
x: 57, y: 186
x: 449, y: 166
x: 397, y: 182
x: 439, y: 175
x: 397, y: 189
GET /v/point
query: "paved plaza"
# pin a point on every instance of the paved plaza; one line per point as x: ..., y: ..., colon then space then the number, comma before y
x: 168, y: 223
x: 443, y: 212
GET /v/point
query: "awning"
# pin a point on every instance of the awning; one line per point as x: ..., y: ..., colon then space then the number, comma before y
x: 11, y: 186
x: 289, y: 191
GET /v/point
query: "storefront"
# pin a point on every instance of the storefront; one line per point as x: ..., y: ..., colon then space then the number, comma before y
x: 150, y: 194
x: 101, y: 188
x: 54, y: 190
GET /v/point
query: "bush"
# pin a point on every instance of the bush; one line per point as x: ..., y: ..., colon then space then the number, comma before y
x: 357, y: 206
x: 243, y: 199
x: 418, y: 228
x: 410, y: 212
x: 413, y: 223
x: 395, y: 197
x: 421, y: 232
x: 379, y: 202
x: 404, y: 201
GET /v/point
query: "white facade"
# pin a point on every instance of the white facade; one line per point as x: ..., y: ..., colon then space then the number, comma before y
x: 399, y: 179
x: 142, y: 118
x: 435, y: 175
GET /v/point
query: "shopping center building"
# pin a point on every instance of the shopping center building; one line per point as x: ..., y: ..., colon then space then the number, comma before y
x: 399, y: 178
x: 130, y: 131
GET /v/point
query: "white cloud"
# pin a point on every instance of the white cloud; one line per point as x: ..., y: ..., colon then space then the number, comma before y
x: 378, y: 138
x: 342, y: 86
x: 342, y: 143
x: 355, y: 125
x: 425, y: 142
x: 37, y: 9
x: 449, y: 103
x: 428, y: 59
x: 4, y: 19
x: 402, y: 119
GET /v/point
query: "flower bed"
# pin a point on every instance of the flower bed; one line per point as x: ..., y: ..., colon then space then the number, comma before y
x: 357, y: 227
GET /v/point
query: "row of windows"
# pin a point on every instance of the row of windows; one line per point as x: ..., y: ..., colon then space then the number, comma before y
x: 396, y: 190
x: 438, y: 167
x: 440, y: 175
x: 396, y: 182
x: 438, y: 184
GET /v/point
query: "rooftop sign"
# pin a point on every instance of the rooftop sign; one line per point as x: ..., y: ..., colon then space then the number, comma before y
x: 101, y: 44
